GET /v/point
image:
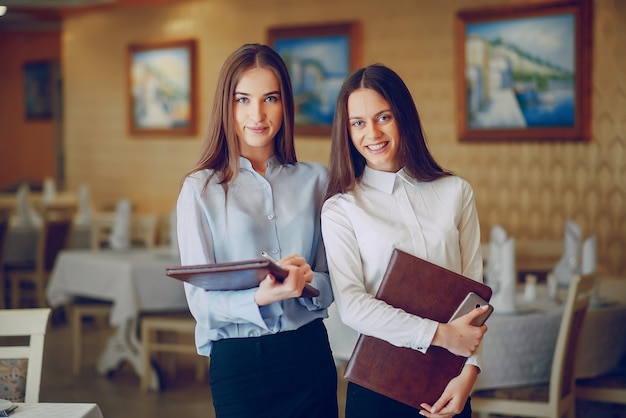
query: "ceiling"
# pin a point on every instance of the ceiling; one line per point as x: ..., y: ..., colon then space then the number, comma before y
x: 38, y: 15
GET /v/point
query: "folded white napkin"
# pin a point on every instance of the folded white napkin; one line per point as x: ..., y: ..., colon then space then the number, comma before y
x: 25, y: 214
x: 120, y: 234
x: 49, y: 190
x: 500, y: 273
x: 589, y: 259
x: 85, y: 211
x: 173, y: 244
x: 569, y: 264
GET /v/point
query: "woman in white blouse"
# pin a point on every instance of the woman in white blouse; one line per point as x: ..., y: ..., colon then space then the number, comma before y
x: 270, y: 355
x: 386, y: 191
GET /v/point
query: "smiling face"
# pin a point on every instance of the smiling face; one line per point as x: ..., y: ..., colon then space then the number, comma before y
x: 373, y: 130
x: 258, y: 111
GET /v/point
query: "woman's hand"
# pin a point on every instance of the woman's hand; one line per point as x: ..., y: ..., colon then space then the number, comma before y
x: 460, y: 337
x: 453, y: 399
x: 271, y: 290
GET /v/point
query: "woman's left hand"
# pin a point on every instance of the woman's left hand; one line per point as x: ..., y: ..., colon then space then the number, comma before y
x: 270, y: 290
x: 453, y: 399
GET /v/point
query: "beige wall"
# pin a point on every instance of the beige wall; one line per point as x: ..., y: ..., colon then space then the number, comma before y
x: 529, y: 188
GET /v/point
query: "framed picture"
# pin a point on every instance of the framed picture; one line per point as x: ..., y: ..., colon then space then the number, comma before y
x: 524, y: 72
x: 38, y: 90
x: 319, y: 58
x: 162, y: 88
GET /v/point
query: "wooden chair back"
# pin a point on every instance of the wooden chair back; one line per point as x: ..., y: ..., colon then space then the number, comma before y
x: 31, y: 323
x: 143, y: 230
x: 55, y: 235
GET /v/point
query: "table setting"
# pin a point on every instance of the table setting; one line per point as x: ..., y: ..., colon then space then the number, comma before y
x: 49, y: 410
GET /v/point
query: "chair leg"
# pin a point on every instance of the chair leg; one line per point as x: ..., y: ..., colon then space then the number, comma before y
x: 77, y: 350
x: 41, y: 294
x: 146, y: 335
x: 201, y: 369
x: 15, y: 291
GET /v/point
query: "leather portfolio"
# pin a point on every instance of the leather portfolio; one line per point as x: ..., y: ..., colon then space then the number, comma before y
x: 406, y: 375
x: 236, y: 275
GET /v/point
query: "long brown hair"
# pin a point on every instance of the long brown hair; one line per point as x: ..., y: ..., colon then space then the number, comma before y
x: 346, y: 163
x: 220, y: 149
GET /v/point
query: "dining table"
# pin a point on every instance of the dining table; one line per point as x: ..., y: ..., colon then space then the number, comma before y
x: 518, y: 347
x: 56, y: 410
x: 133, y: 280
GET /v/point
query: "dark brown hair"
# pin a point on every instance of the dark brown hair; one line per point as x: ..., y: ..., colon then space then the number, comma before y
x: 220, y: 149
x: 346, y: 164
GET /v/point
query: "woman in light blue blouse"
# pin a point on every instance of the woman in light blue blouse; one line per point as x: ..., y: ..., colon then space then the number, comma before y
x: 269, y: 350
x: 386, y: 191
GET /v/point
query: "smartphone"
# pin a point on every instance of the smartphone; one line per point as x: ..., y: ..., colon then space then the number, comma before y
x: 473, y: 301
x: 308, y: 291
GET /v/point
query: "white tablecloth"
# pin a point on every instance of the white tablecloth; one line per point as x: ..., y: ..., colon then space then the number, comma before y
x: 134, y: 280
x: 57, y: 410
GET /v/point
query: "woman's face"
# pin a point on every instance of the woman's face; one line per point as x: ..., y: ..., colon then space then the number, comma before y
x: 258, y: 111
x: 373, y: 130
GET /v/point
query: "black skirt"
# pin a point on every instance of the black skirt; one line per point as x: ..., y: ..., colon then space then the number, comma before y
x: 289, y: 374
x: 364, y: 403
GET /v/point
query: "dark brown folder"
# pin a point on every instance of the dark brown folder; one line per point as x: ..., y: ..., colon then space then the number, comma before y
x: 235, y: 275
x: 409, y: 376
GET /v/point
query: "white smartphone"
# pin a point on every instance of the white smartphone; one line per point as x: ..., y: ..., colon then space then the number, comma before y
x: 471, y: 302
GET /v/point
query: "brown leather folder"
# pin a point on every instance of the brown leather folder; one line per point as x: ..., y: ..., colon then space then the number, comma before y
x: 409, y: 376
x: 235, y: 275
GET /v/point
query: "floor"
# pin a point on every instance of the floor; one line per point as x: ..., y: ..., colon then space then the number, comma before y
x: 118, y: 395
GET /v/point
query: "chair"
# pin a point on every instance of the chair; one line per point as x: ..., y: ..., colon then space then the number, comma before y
x: 609, y: 388
x: 162, y: 334
x: 56, y: 232
x: 143, y: 232
x: 20, y: 365
x: 558, y: 397
x: 4, y: 233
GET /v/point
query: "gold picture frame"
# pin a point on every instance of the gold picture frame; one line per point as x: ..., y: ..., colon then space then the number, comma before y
x: 524, y: 72
x: 319, y: 58
x: 162, y: 88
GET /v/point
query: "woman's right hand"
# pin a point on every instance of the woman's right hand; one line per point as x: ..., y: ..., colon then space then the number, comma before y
x: 271, y: 290
x: 460, y: 337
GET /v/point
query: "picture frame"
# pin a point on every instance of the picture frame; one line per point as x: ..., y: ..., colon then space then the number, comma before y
x: 524, y: 72
x: 319, y: 58
x: 38, y: 90
x: 162, y: 87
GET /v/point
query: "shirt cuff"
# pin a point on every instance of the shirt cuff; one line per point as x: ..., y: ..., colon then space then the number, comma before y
x: 425, y: 337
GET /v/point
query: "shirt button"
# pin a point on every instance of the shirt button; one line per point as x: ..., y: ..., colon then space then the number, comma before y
x: 270, y: 217
x: 274, y: 251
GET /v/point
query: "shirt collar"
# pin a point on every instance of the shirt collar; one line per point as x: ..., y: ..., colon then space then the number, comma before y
x: 383, y: 180
x: 245, y: 164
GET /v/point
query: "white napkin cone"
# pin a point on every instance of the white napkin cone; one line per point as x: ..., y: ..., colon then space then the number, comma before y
x: 120, y: 234
x: 25, y: 214
x: 589, y: 259
x: 49, y: 191
x: 173, y: 244
x: 500, y: 273
x: 569, y: 264
x: 85, y: 211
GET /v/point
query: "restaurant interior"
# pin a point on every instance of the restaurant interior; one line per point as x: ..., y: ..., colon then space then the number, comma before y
x: 545, y: 196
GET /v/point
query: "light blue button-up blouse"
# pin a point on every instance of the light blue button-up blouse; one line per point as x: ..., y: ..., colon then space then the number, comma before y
x: 278, y: 213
